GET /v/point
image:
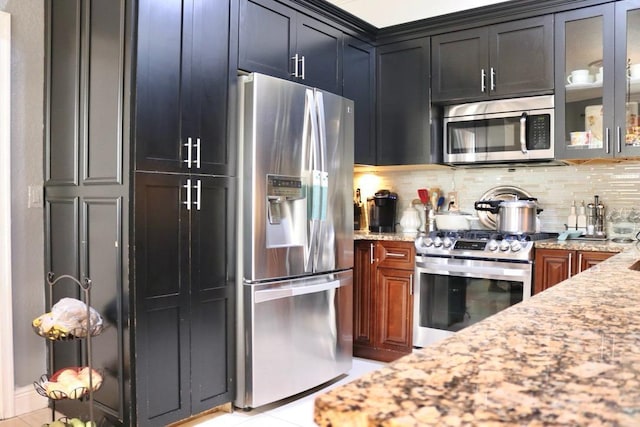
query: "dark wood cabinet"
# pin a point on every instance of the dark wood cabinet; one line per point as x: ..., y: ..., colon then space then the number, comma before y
x: 403, y: 128
x: 552, y: 266
x: 358, y: 84
x: 128, y: 85
x: 383, y: 305
x: 603, y: 40
x: 182, y: 87
x: 184, y: 297
x: 500, y: 60
x: 280, y: 41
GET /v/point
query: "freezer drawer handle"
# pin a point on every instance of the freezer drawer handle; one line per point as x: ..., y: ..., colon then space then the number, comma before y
x: 274, y: 294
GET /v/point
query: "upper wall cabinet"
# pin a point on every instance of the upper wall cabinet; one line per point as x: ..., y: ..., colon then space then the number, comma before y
x: 181, y: 87
x: 598, y: 81
x: 403, y: 109
x: 279, y: 41
x: 497, y: 61
x: 358, y: 70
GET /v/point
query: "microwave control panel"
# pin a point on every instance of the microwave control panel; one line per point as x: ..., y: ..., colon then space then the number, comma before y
x: 538, y: 131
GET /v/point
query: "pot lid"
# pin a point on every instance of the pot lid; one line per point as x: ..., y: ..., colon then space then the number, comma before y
x: 504, y: 193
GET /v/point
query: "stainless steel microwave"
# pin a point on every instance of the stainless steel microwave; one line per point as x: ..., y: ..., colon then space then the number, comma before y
x: 499, y: 131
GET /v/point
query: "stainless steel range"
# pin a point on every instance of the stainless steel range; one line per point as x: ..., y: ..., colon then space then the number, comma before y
x: 463, y: 277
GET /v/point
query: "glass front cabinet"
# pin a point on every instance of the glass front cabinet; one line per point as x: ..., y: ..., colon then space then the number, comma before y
x: 598, y: 81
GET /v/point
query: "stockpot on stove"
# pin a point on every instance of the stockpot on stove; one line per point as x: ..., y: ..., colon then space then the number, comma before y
x: 512, y: 216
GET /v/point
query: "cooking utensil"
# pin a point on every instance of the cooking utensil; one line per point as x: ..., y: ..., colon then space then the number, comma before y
x: 502, y: 192
x: 440, y: 203
x: 453, y: 221
x: 424, y: 195
x: 513, y: 217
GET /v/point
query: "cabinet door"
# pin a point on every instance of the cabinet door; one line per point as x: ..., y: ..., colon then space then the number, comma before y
x: 161, y: 313
x: 266, y: 38
x: 521, y: 56
x: 159, y: 100
x: 394, y: 310
x: 552, y: 266
x: 320, y: 47
x: 358, y: 84
x: 587, y: 259
x: 363, y: 294
x: 627, y: 79
x: 584, y: 109
x: 205, y: 119
x: 211, y: 288
x: 402, y: 119
x: 460, y: 65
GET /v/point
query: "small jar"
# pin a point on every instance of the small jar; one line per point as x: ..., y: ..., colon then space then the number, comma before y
x: 410, y: 221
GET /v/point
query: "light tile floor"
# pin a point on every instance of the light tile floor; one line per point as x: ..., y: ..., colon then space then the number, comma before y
x: 293, y: 412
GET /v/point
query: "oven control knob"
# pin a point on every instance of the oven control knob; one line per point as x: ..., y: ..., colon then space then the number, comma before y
x: 422, y: 243
x: 504, y: 246
x: 492, y: 245
x: 446, y: 242
x: 437, y: 242
x: 516, y: 246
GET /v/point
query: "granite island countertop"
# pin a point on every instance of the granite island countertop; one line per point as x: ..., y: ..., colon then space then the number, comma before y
x: 567, y: 356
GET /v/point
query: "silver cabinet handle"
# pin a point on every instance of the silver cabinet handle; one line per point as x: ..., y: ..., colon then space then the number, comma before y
x: 493, y: 79
x: 302, y: 73
x: 619, y: 141
x: 198, y: 201
x: 294, y: 58
x: 188, y: 195
x: 371, y: 253
x: 198, y: 153
x: 580, y: 262
x: 411, y: 284
x: 523, y: 133
x: 483, y: 79
x: 395, y: 255
x: 606, y: 141
x: 188, y: 145
x: 570, y: 262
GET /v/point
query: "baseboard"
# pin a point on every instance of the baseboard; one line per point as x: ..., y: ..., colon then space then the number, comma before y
x: 27, y: 399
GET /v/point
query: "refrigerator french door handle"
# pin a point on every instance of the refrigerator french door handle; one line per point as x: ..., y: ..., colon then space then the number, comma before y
x: 189, y: 145
x: 187, y: 201
x: 322, y: 148
x: 308, y: 169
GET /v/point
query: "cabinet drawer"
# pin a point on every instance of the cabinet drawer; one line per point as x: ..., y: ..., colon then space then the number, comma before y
x: 396, y: 255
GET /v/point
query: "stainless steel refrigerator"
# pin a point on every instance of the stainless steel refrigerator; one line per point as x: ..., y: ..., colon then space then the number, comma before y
x: 295, y: 239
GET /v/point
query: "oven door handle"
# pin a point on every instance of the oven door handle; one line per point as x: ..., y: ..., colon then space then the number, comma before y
x: 473, y: 271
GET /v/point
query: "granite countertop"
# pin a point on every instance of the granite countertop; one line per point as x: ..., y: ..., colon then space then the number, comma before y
x: 369, y: 235
x: 567, y: 356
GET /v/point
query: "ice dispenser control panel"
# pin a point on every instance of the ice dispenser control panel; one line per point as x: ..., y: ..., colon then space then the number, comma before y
x: 280, y: 189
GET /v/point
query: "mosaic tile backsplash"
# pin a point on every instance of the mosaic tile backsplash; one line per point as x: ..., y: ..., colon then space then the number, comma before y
x: 617, y: 185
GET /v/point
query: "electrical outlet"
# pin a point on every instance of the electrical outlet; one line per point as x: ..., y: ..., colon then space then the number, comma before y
x: 452, y: 200
x: 36, y: 196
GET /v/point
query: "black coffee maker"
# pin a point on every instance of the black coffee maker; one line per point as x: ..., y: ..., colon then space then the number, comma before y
x: 382, y: 211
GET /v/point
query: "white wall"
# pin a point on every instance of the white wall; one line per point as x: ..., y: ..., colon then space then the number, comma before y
x: 618, y: 186
x: 27, y: 251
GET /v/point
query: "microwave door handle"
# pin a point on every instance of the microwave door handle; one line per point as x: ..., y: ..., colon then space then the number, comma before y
x: 523, y: 133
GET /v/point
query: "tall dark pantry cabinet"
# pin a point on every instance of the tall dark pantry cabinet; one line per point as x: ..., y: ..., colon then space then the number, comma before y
x: 140, y: 194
